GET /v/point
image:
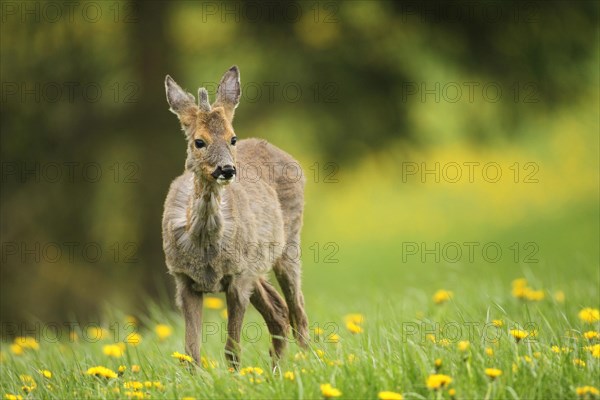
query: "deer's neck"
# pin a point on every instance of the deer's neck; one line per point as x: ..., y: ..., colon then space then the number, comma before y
x: 206, y: 219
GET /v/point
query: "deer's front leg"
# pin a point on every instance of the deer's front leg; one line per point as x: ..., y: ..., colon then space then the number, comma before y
x: 237, y: 298
x: 190, y: 303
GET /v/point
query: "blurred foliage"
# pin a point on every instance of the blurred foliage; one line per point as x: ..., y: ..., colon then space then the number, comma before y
x: 355, y: 64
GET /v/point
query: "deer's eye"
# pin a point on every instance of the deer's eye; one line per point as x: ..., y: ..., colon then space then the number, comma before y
x: 233, y: 141
x: 199, y: 143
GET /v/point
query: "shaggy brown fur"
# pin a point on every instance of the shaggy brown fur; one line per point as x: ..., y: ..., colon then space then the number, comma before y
x: 224, y: 234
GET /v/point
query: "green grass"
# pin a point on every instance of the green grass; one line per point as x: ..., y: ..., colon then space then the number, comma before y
x: 393, y: 353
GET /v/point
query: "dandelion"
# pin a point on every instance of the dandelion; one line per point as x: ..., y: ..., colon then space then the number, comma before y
x: 29, y: 384
x: 135, y: 368
x: 489, y: 351
x: 442, y: 296
x: 437, y: 364
x: 452, y: 393
x: 579, y: 362
x: 16, y: 349
x: 498, y: 323
x: 213, y: 303
x: 114, y: 350
x: 589, y: 315
x: 27, y: 342
x: 585, y: 390
x: 134, y: 385
x: 9, y: 396
x: 444, y: 342
x: 518, y: 334
x: 102, y: 372
x: 493, y: 373
x: 121, y: 370
x: 357, y: 319
x: 329, y: 391
x: 437, y: 381
x: 559, y: 296
x: 289, y: 375
x: 389, y: 396
x: 537, y: 354
x: 133, y: 339
x: 463, y: 345
x: 591, y: 335
x: 182, y: 357
x: 251, y: 371
x: 45, y: 373
x: 318, y: 331
x: 430, y: 337
x: 135, y: 395
x: 534, y: 295
x: 131, y: 320
x: 351, y: 358
x: 95, y: 333
x: 163, y: 331
x: 333, y: 338
x: 595, y: 350
x: 527, y: 359
x: 353, y: 328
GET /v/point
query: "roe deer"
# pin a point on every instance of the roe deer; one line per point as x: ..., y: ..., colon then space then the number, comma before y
x: 224, y: 231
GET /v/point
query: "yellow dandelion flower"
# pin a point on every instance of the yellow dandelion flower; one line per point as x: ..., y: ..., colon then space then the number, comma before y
x: 591, y: 335
x: 182, y: 357
x: 95, y: 333
x: 113, y: 350
x: 389, y: 396
x: 579, y: 362
x: 163, y: 331
x: 452, y: 393
x: 329, y: 391
x: 444, y: 342
x: 16, y: 349
x: 595, y: 350
x: 289, y: 375
x: 589, y: 315
x: 134, y: 385
x: 9, y: 396
x: 29, y: 383
x: 518, y: 334
x: 442, y: 296
x: 527, y: 359
x: 27, y: 342
x: 135, y: 395
x: 135, y: 368
x: 534, y: 295
x: 464, y: 345
x: 353, y: 327
x: 555, y: 349
x: 131, y: 320
x: 355, y: 318
x: 102, y: 372
x: 537, y: 354
x: 437, y: 364
x: 333, y: 338
x: 559, y: 296
x: 351, y: 358
x: 133, y: 339
x: 493, y: 373
x: 520, y: 282
x: 430, y: 337
x: 318, y: 331
x: 489, y: 351
x: 438, y: 381
x: 45, y: 373
x: 498, y: 323
x: 251, y: 371
x: 213, y: 303
x: 585, y: 390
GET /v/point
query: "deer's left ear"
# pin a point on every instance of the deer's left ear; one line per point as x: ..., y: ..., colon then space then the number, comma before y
x: 229, y: 92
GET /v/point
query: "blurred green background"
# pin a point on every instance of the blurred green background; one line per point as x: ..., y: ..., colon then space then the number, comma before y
x: 365, y: 94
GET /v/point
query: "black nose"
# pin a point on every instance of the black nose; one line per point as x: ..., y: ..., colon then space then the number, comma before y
x: 226, y: 171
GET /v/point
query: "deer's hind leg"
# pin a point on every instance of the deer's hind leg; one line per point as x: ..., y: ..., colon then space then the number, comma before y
x: 275, y: 312
x: 287, y: 271
x: 190, y: 303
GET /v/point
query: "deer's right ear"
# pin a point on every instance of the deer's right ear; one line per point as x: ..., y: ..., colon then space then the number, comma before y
x: 179, y: 100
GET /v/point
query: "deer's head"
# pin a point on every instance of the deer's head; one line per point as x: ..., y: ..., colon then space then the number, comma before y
x: 208, y: 129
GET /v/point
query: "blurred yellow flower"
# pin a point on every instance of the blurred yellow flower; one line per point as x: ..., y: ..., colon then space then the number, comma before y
x: 463, y: 345
x: 452, y: 393
x: 9, y: 396
x: 135, y: 368
x: 213, y: 303
x: 114, y: 350
x: 430, y: 337
x: 318, y: 331
x: 121, y: 370
x: 579, y: 362
x: 585, y: 390
x: 133, y: 339
x: 29, y: 384
x: 355, y: 318
x: 559, y: 296
x: 389, y: 396
x: 333, y: 338
x: 329, y: 391
x: 444, y: 342
x: 437, y: 381
x: 45, y: 373
x: 498, y: 323
x: 135, y: 395
x: 591, y: 335
x: 95, y: 333
x: 489, y: 351
x: 437, y: 364
x: 289, y: 375
x: 135, y: 385
x: 16, y: 349
x: 27, y: 342
x: 442, y: 296
x: 206, y: 363
x: 102, y: 372
x: 163, y: 331
x: 130, y: 319
x: 493, y: 373
x: 518, y: 334
x: 589, y: 315
x: 351, y: 358
x: 182, y: 357
x: 353, y: 327
x: 595, y: 350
